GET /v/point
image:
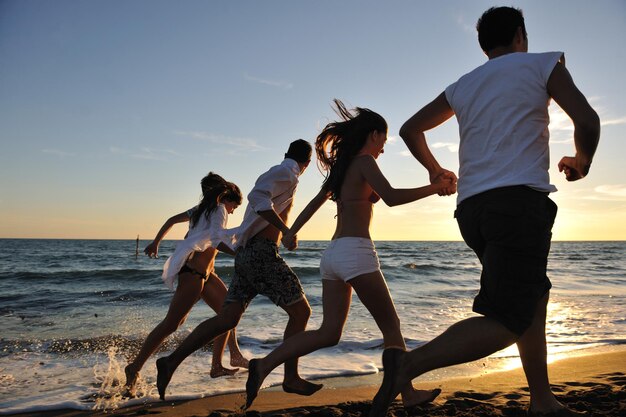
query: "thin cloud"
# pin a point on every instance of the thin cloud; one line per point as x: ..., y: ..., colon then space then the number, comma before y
x: 116, y: 150
x: 154, y: 154
x: 613, y: 192
x: 273, y: 83
x: 240, y: 143
x: 56, y: 152
x: 605, y: 119
x: 462, y: 23
x: 562, y: 128
x: 610, y: 122
x: 452, y: 147
x: 145, y: 153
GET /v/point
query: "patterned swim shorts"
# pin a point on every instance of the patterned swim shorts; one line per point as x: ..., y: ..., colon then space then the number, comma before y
x: 259, y: 269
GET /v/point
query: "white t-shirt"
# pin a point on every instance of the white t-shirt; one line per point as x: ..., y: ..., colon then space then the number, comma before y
x: 502, y: 110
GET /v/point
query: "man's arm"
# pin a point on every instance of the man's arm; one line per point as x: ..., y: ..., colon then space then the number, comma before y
x: 274, y: 182
x: 274, y: 219
x: 412, y: 132
x: 562, y: 89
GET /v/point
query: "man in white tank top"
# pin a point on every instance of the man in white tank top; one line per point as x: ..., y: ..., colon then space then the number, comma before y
x: 503, y: 210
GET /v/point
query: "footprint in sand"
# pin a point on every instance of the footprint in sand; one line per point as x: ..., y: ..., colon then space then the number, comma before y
x: 618, y: 380
x: 512, y: 396
x: 585, y: 384
x: 614, y: 374
x: 475, y: 395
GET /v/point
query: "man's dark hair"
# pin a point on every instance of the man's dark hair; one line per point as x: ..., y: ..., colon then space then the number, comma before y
x: 497, y: 27
x: 300, y: 151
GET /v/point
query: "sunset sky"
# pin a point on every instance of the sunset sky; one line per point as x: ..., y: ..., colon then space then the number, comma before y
x: 112, y: 111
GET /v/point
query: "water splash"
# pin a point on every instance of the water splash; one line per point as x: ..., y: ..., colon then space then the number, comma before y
x: 111, y: 392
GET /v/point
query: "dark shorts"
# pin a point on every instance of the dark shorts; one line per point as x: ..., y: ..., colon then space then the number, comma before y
x: 510, y: 230
x: 259, y: 269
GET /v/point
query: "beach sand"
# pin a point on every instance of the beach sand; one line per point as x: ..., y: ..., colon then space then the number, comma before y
x: 594, y: 383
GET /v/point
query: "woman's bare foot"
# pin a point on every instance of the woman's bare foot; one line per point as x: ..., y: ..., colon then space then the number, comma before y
x: 131, y: 380
x: 218, y: 371
x: 239, y: 361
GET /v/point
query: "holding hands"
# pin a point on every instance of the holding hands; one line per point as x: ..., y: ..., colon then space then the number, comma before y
x: 290, y: 241
x: 447, y: 179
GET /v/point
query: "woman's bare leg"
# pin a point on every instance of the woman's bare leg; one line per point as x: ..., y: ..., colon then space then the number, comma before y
x: 372, y: 290
x: 214, y: 294
x: 336, y: 297
x: 186, y: 295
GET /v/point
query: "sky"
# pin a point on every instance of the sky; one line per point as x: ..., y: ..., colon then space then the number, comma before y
x: 112, y: 111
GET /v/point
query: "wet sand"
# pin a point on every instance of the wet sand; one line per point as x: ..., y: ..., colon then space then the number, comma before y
x: 595, y: 384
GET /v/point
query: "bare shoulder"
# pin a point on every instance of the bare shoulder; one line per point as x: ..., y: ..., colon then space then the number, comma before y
x: 364, y: 160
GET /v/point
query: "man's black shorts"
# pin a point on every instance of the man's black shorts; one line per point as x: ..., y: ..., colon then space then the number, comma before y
x: 510, y: 230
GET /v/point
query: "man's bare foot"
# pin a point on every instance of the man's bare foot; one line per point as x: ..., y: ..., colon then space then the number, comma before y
x: 392, y: 385
x: 419, y: 397
x: 164, y: 374
x: 131, y: 380
x: 253, y: 384
x: 218, y: 371
x: 301, y: 387
x: 239, y: 361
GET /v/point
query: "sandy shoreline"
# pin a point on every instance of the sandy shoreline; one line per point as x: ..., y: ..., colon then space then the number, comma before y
x: 594, y: 383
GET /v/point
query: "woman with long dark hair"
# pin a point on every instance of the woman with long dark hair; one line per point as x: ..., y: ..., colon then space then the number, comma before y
x: 192, y: 265
x: 347, y: 151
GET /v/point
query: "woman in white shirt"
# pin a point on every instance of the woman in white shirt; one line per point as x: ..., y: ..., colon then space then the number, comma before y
x: 192, y: 265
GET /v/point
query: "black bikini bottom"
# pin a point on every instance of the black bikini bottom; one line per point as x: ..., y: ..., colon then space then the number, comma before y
x: 185, y: 268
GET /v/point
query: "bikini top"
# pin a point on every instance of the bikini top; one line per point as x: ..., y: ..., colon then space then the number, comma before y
x: 373, y: 199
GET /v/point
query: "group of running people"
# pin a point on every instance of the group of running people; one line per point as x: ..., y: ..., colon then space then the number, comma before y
x: 503, y: 211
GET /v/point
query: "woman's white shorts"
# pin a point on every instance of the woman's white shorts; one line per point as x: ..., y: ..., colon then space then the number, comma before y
x: 348, y: 257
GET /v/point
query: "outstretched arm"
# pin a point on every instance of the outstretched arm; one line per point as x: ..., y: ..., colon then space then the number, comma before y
x: 562, y: 89
x: 152, y: 250
x: 396, y: 196
x: 412, y: 132
x: 289, y: 238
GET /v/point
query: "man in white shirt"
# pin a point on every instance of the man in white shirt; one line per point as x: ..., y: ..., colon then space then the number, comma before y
x: 503, y: 210
x: 259, y: 269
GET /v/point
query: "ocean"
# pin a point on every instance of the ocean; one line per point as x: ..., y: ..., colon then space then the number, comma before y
x: 73, y: 310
